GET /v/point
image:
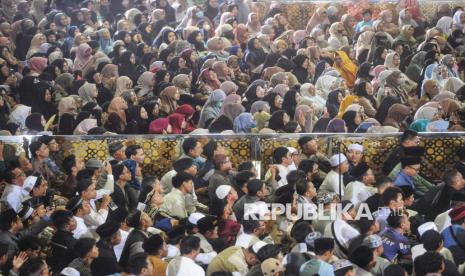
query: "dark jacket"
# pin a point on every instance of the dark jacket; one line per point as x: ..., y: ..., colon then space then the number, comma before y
x: 107, y: 253
x: 436, y: 201
x: 132, y: 246
x: 62, y: 250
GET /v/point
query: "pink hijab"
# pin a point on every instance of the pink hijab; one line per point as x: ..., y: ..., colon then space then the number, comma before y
x: 83, y: 56
x: 37, y: 64
x: 377, y: 71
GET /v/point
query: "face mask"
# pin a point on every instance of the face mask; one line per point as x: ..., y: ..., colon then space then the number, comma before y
x: 206, y: 27
x: 459, y: 40
x: 199, y: 14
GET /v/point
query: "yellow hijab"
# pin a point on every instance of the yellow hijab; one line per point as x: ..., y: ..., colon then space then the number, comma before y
x: 348, y: 69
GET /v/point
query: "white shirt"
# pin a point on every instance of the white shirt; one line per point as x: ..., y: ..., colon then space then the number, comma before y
x: 13, y: 194
x: 332, y: 182
x: 173, y: 251
x: 95, y: 218
x: 344, y: 232
x: 357, y: 192
x: 118, y: 249
x: 189, y: 267
x: 442, y: 221
x: 245, y: 240
x: 81, y: 229
x: 283, y: 172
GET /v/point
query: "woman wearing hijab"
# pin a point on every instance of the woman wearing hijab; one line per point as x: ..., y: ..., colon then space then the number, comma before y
x: 211, y: 109
x: 177, y: 122
x: 392, y: 61
x: 336, y: 126
x: 364, y: 72
x: 450, y: 63
x: 459, y: 20
x: 88, y: 93
x: 105, y: 41
x: 208, y: 81
x: 379, y: 55
x: 302, y: 63
x: 396, y: 115
x: 352, y: 120
x: 275, y: 101
x: 394, y: 85
x: 119, y: 106
x: 253, y: 24
x: 160, y: 126
x: 407, y: 39
x: 336, y: 38
x: 83, y: 60
x: 254, y: 55
x: 114, y: 123
x: 278, y: 121
x: 18, y: 116
x: 319, y: 17
x: 290, y: 102
x: 345, y: 67
x: 232, y: 110
x: 146, y: 83
x: 123, y: 83
x: 244, y: 123
x: 36, y: 41
x: 364, y: 91
x: 255, y: 92
x: 136, y: 120
x: 188, y: 112
x: 128, y: 67
x: 304, y: 115
x: 169, y: 97
x: 215, y: 46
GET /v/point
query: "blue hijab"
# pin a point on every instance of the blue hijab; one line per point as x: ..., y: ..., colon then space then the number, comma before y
x: 132, y: 165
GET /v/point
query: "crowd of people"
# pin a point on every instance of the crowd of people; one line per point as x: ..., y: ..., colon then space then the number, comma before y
x: 173, y: 67
x: 138, y: 67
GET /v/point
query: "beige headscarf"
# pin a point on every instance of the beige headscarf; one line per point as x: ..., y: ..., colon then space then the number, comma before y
x: 123, y: 83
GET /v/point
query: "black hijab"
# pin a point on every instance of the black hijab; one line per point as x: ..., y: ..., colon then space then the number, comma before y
x: 276, y: 122
x: 349, y: 118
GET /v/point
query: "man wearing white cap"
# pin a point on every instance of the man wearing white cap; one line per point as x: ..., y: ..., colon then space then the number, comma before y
x: 355, y: 158
x: 333, y: 181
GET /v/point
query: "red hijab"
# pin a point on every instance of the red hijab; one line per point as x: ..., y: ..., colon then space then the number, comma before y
x: 176, y: 121
x: 157, y: 126
x: 187, y: 111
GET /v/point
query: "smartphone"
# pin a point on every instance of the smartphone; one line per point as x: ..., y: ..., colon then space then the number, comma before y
x: 112, y: 205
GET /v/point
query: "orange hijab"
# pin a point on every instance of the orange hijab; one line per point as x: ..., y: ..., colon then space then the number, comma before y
x: 348, y: 69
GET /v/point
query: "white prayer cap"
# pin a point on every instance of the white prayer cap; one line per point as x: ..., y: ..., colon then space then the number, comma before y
x: 356, y: 147
x: 69, y: 271
x: 257, y: 246
x: 292, y: 150
x: 427, y: 226
x: 194, y: 217
x: 337, y: 159
x: 29, y: 183
x: 222, y: 191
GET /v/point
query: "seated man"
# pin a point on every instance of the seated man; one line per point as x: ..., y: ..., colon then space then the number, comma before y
x: 333, y: 181
x: 396, y: 245
x: 410, y: 167
x: 174, y: 204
